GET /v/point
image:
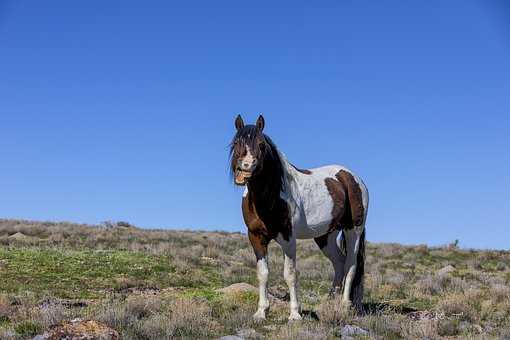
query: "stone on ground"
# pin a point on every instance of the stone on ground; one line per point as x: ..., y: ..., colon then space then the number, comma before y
x: 237, y: 288
x: 19, y: 236
x: 350, y: 330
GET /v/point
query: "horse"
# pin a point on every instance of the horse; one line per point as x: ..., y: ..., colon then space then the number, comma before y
x: 284, y: 203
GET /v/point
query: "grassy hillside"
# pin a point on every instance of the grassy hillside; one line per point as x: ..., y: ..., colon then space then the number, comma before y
x: 154, y: 284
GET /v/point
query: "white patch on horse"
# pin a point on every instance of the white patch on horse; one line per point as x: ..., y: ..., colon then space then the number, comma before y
x: 245, y: 192
x: 248, y: 162
x: 290, y: 273
x: 262, y: 275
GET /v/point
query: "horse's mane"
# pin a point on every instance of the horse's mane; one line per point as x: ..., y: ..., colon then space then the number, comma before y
x: 269, y: 182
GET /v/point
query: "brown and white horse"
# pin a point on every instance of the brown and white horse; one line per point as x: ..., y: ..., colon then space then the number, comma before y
x: 284, y: 203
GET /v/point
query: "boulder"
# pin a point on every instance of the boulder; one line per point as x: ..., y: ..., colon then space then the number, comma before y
x: 19, y: 236
x: 237, y: 288
x: 350, y: 330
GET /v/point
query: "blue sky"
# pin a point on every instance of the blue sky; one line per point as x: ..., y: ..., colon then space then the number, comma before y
x: 123, y: 110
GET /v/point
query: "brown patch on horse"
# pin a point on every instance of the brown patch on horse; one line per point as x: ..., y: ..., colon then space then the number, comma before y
x: 337, y: 192
x: 303, y: 171
x: 257, y: 231
x: 347, y: 199
x: 264, y: 221
x: 354, y: 195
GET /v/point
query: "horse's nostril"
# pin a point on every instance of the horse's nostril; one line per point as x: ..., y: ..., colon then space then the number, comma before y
x: 246, y: 165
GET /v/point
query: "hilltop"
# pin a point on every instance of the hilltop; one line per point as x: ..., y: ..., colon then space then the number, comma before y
x: 157, y: 284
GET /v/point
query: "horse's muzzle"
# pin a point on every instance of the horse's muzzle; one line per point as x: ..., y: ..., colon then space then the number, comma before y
x: 241, y: 176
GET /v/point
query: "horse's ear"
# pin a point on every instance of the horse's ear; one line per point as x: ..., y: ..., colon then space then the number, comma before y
x: 239, y: 122
x: 260, y: 123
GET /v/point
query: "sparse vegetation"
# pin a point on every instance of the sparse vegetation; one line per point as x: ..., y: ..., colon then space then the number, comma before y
x: 162, y: 284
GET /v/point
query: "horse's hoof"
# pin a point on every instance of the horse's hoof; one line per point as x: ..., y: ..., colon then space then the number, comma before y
x: 295, y: 316
x: 260, y: 315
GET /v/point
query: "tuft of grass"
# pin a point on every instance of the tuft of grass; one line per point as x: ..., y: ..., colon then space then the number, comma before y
x: 28, y: 328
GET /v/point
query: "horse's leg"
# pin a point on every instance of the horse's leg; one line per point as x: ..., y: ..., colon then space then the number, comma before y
x: 329, y: 247
x: 354, y: 266
x: 290, y: 275
x: 259, y: 244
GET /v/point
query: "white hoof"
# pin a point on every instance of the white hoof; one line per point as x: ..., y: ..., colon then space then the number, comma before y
x: 260, y: 315
x: 295, y: 316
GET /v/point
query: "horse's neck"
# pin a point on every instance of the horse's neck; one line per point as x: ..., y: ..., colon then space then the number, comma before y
x: 267, y: 186
x: 264, y: 194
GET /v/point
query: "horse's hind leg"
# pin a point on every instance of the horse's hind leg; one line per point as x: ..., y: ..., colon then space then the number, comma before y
x: 354, y: 266
x: 329, y: 247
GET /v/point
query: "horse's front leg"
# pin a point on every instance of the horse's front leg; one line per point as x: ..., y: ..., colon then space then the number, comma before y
x: 259, y: 244
x: 290, y: 275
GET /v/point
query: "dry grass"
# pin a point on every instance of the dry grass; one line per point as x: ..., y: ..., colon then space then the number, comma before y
x: 161, y: 284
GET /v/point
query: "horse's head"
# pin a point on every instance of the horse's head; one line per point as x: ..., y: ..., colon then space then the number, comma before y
x: 248, y: 150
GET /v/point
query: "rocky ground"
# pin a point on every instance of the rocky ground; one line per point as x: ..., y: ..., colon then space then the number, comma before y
x: 62, y: 280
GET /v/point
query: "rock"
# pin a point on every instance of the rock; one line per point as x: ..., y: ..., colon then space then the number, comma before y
x: 446, y: 270
x: 41, y: 337
x: 231, y: 337
x: 237, y: 288
x: 19, y: 236
x: 78, y: 329
x: 249, y: 333
x: 349, y: 330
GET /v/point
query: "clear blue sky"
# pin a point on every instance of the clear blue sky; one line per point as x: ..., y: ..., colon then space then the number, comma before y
x: 123, y: 110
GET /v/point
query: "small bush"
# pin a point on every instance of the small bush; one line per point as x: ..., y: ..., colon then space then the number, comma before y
x: 457, y: 306
x: 448, y: 327
x: 332, y: 313
x: 28, y: 328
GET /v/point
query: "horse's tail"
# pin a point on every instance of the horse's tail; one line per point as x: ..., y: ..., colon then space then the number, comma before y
x: 357, y: 283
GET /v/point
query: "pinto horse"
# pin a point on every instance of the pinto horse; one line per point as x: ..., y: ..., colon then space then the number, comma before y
x: 284, y: 203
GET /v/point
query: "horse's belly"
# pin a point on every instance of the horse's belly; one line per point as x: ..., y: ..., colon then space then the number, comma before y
x: 314, y: 220
x: 304, y: 230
